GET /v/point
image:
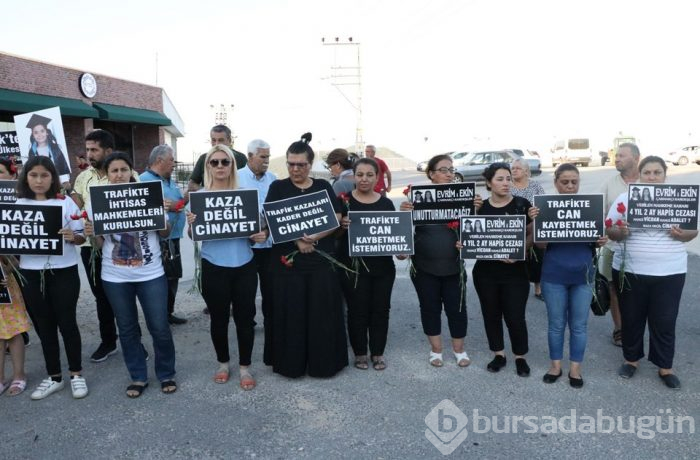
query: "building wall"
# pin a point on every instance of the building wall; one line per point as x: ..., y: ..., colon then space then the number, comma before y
x: 20, y: 74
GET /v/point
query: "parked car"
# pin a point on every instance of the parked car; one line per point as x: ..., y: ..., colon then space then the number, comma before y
x: 572, y: 150
x: 423, y: 165
x: 683, y: 156
x: 471, y: 165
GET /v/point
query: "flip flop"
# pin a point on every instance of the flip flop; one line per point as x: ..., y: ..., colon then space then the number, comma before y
x: 168, y: 386
x: 222, y: 376
x: 361, y: 363
x: 378, y: 363
x: 247, y: 380
x: 17, y: 387
x: 139, y: 389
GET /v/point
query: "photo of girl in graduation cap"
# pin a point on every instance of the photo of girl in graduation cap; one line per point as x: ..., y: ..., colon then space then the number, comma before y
x: 43, y: 143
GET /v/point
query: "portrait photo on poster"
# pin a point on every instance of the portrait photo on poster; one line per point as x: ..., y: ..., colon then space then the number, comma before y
x: 41, y: 133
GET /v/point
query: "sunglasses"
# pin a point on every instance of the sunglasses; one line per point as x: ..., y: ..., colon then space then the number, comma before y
x: 297, y: 165
x: 215, y: 163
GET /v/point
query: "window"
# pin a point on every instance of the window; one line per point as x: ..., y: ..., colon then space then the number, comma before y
x: 578, y: 144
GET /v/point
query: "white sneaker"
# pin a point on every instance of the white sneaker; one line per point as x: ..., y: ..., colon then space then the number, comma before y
x: 46, y: 387
x: 78, y: 386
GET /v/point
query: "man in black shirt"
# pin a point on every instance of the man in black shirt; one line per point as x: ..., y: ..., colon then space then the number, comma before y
x: 219, y: 134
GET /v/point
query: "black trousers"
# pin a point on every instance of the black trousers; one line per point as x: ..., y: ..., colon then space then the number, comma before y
x: 652, y: 300
x: 224, y: 289
x: 261, y: 256
x: 172, y: 264
x: 503, y: 300
x: 52, y: 308
x: 434, y: 292
x: 309, y: 329
x: 105, y: 315
x: 368, y: 312
x: 535, y: 256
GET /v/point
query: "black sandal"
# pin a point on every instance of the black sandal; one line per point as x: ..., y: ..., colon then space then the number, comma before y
x: 139, y: 389
x: 168, y: 386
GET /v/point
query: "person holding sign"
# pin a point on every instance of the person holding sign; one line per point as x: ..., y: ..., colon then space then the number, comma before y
x: 132, y: 268
x: 439, y: 275
x: 649, y: 270
x: 53, y: 284
x: 229, y: 276
x: 369, y: 289
x: 503, y: 285
x: 567, y: 276
x: 308, y: 328
x: 8, y: 170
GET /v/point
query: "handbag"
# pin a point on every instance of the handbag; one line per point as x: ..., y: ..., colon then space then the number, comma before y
x: 600, y: 303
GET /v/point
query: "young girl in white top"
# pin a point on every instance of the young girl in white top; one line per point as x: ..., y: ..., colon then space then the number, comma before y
x: 52, y: 282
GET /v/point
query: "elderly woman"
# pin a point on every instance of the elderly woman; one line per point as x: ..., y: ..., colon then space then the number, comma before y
x: 339, y: 163
x: 439, y: 275
x: 132, y: 268
x: 655, y: 263
x: 502, y: 285
x: 229, y: 276
x: 308, y: 328
x: 567, y: 275
x: 526, y: 188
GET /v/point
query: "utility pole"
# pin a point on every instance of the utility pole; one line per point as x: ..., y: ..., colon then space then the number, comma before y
x: 346, y: 73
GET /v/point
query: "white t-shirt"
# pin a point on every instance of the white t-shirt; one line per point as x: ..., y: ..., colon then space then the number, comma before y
x: 70, y: 254
x: 131, y: 257
x: 647, y: 252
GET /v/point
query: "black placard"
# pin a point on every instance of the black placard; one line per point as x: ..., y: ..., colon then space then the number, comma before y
x: 442, y: 203
x: 31, y: 230
x: 8, y: 191
x: 569, y: 218
x: 224, y: 214
x: 380, y: 233
x: 291, y: 218
x: 659, y: 206
x: 132, y: 207
x: 9, y: 144
x: 493, y: 237
x: 5, y: 297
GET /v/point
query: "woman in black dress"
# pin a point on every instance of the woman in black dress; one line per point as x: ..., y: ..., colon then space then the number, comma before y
x: 308, y: 326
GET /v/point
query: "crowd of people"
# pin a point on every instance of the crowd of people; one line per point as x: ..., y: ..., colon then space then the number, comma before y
x: 310, y: 308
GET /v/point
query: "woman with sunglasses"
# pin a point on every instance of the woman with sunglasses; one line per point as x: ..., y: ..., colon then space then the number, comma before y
x: 503, y: 285
x: 308, y: 324
x: 439, y: 275
x: 229, y: 276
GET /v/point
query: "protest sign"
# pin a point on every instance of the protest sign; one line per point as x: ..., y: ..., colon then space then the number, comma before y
x: 5, y: 297
x: 28, y: 229
x: 8, y: 191
x: 131, y: 207
x: 9, y: 144
x: 493, y: 237
x: 380, y: 233
x: 442, y: 203
x: 224, y: 214
x: 291, y: 218
x: 41, y: 133
x: 659, y: 206
x: 569, y: 218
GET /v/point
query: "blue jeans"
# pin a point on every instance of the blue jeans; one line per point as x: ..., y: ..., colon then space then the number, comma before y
x: 567, y: 303
x: 153, y: 297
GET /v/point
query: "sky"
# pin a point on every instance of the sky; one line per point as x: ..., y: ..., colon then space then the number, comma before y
x: 436, y: 75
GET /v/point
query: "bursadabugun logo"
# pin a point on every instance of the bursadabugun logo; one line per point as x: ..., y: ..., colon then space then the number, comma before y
x: 447, y: 426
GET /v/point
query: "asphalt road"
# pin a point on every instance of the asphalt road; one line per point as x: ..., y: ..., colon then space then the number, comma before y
x: 367, y: 414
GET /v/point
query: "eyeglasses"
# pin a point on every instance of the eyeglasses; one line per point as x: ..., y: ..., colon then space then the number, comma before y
x: 297, y: 165
x: 325, y: 165
x: 224, y: 162
x: 446, y: 170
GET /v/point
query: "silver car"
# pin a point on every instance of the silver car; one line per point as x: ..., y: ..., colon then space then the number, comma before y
x: 470, y: 166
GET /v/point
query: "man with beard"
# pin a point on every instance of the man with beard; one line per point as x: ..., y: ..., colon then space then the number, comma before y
x: 99, y: 145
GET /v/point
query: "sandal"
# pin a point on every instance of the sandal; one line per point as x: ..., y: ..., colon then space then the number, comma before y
x: 462, y: 359
x: 435, y: 359
x: 17, y: 387
x: 378, y: 363
x: 361, y: 363
x: 168, y: 386
x: 617, y: 337
x: 222, y: 376
x: 135, y: 390
x: 247, y: 380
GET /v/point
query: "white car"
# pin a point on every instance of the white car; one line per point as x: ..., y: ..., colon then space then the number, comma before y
x: 683, y: 156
